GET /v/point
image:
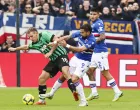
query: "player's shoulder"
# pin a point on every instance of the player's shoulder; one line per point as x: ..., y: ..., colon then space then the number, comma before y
x: 44, y: 32
x: 99, y: 21
x: 77, y: 32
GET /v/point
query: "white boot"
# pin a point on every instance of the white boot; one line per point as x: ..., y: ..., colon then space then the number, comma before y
x: 117, y: 96
x: 83, y: 103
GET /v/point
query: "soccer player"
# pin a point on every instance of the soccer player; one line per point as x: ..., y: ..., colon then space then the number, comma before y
x: 100, y: 57
x: 58, y: 60
x: 79, y: 63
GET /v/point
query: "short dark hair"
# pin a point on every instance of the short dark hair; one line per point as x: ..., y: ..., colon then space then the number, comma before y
x: 86, y: 27
x: 32, y: 29
x: 95, y: 10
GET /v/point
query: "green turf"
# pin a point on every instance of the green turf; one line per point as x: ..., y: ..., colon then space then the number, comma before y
x: 11, y: 99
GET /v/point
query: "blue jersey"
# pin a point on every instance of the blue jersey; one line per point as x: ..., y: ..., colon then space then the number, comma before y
x: 88, y: 42
x: 97, y: 29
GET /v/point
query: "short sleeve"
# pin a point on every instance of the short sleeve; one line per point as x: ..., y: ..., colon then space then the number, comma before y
x: 100, y: 27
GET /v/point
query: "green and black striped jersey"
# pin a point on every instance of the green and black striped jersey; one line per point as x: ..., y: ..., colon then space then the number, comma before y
x: 45, y: 38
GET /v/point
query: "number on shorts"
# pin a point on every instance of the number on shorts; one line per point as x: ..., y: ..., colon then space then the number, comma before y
x: 100, y: 66
x: 82, y: 65
x: 65, y: 60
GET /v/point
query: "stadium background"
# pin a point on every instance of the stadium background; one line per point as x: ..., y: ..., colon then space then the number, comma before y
x: 122, y: 26
x: 122, y: 38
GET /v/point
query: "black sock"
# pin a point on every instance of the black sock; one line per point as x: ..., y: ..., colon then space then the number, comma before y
x: 71, y: 85
x: 42, y: 89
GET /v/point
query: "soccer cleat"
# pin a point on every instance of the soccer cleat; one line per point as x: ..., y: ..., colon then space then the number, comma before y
x: 117, y: 96
x: 92, y: 96
x: 40, y: 103
x: 83, y: 104
x: 75, y: 95
x: 49, y: 95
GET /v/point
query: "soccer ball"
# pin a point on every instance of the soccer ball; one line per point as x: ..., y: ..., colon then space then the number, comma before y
x: 28, y: 99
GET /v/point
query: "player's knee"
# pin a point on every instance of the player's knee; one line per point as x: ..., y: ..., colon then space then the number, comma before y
x: 44, y: 76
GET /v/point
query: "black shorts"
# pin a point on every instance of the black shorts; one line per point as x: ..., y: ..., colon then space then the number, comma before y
x: 53, y: 67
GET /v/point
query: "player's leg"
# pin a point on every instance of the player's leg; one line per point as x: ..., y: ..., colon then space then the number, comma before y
x: 42, y: 87
x: 104, y: 67
x: 80, y: 90
x: 81, y: 69
x: 92, y: 82
x: 49, y: 71
x: 112, y: 83
x: 65, y: 71
x: 63, y: 64
x: 58, y: 83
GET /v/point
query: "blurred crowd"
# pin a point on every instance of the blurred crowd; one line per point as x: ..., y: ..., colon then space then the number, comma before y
x: 119, y: 10
x: 126, y: 10
x: 8, y: 43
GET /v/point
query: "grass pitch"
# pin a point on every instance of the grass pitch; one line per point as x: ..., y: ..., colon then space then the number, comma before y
x: 11, y: 99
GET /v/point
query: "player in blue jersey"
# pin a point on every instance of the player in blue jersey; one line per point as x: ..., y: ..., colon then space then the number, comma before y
x: 100, y: 57
x: 79, y: 63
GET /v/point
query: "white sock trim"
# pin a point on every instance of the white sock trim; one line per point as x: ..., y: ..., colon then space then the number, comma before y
x: 110, y: 81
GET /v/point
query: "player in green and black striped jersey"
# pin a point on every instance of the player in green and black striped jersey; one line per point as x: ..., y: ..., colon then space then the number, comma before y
x: 58, y: 60
x: 45, y: 38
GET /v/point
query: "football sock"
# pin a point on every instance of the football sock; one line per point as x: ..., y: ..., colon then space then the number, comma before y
x: 80, y: 90
x: 113, y: 84
x: 42, y: 90
x: 56, y: 86
x: 93, y: 87
x: 71, y: 85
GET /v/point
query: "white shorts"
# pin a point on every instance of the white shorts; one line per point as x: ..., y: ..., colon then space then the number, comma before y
x: 78, y: 67
x: 100, y: 60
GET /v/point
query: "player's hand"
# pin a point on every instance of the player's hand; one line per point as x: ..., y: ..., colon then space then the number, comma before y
x: 98, y: 40
x: 47, y: 55
x: 12, y: 49
x: 63, y: 43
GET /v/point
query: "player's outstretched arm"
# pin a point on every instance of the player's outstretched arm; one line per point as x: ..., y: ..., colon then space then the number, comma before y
x: 67, y: 37
x: 54, y: 46
x: 57, y: 40
x: 24, y: 47
x: 73, y: 48
x: 47, y: 55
